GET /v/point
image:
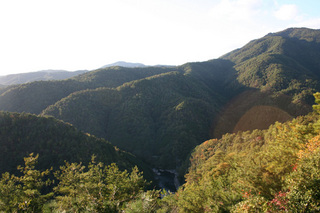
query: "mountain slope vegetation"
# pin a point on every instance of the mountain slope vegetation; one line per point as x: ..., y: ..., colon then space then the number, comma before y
x: 272, y: 170
x: 162, y: 113
x: 55, y: 142
x: 36, y: 96
x: 284, y: 63
x: 157, y: 117
x: 249, y: 162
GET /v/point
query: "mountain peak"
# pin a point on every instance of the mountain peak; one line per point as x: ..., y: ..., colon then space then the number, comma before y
x: 299, y: 33
x: 124, y: 64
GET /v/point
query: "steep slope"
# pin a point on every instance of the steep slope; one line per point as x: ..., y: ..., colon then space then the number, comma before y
x: 256, y: 171
x: 218, y: 74
x: 190, y: 95
x: 258, y: 117
x: 159, y: 118
x: 55, y: 142
x: 286, y: 63
x: 283, y: 70
x: 36, y: 96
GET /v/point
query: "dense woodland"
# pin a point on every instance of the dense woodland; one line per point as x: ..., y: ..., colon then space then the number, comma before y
x: 273, y: 170
x: 256, y: 101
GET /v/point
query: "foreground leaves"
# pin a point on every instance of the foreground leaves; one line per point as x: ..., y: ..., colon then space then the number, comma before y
x: 96, y: 188
x: 99, y: 189
x: 24, y: 193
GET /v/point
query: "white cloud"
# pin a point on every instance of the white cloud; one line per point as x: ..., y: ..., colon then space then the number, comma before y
x: 236, y: 9
x: 313, y: 23
x: 233, y: 23
x: 287, y: 12
x: 82, y: 34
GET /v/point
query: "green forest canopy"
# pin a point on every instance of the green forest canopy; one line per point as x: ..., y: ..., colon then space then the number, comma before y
x: 273, y: 170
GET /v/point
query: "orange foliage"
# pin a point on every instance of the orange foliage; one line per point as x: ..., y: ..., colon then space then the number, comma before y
x: 312, y: 145
x: 206, y: 142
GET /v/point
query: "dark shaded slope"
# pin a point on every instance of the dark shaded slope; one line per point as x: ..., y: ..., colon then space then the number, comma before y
x: 218, y: 74
x: 55, y: 142
x: 36, y: 96
x: 159, y: 118
x: 283, y: 71
x: 285, y: 63
x: 166, y: 114
x: 88, y: 110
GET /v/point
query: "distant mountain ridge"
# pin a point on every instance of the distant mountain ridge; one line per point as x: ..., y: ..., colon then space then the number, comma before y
x: 124, y: 64
x: 133, y: 65
x: 43, y: 75
x: 47, y: 75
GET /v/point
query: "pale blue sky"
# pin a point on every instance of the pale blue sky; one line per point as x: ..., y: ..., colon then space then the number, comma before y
x: 87, y: 34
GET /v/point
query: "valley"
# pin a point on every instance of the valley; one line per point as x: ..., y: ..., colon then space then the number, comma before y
x: 200, y: 125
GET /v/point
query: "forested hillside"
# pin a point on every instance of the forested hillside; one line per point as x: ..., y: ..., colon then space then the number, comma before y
x: 284, y: 70
x: 55, y: 142
x: 285, y: 63
x: 161, y: 113
x: 36, y: 96
x: 160, y: 118
x: 272, y: 170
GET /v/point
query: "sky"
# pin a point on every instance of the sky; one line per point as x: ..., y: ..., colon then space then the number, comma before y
x: 87, y: 34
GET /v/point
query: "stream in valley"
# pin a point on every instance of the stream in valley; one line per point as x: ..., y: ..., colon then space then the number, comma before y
x: 167, y: 179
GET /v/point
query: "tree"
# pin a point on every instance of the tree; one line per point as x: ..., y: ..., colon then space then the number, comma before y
x: 304, y: 182
x: 98, y: 189
x: 25, y: 192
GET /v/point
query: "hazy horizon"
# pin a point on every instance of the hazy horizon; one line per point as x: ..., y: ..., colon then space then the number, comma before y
x: 84, y: 35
